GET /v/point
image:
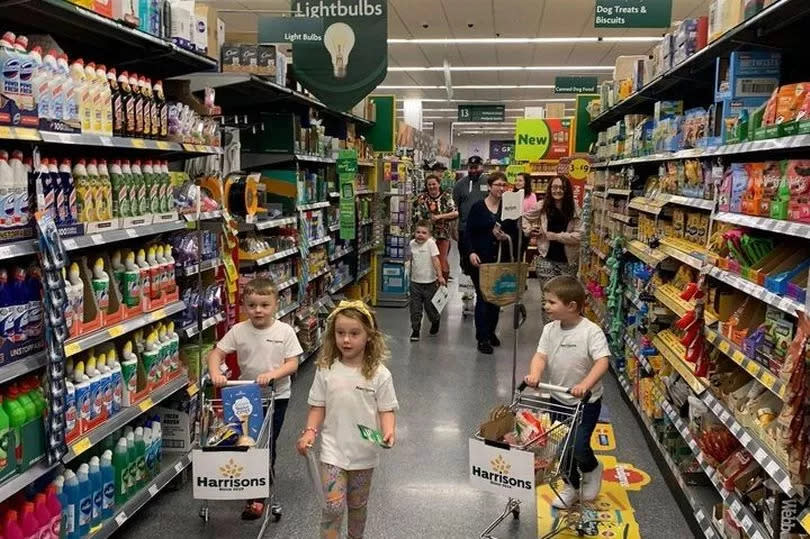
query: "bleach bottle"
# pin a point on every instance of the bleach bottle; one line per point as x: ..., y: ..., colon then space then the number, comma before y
x: 71, y: 493
x: 97, y: 487
x: 85, y: 501
x: 120, y: 463
x: 107, y: 485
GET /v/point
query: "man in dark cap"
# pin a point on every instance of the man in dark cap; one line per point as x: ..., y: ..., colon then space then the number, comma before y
x: 467, y: 191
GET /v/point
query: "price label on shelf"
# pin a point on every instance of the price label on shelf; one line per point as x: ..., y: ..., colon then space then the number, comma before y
x: 97, y: 239
x: 81, y: 446
x: 105, y: 141
x: 115, y: 331
x: 724, y: 346
x: 163, y: 145
x: 752, y: 368
x: 192, y: 389
x: 132, y: 233
x: 178, y: 467
x: 5, y: 132
x: 138, y: 143
x: 160, y: 313
x: 153, y: 490
x: 69, y: 243
x: 72, y: 348
x: 768, y: 380
x: 145, y: 404
x: 120, y: 518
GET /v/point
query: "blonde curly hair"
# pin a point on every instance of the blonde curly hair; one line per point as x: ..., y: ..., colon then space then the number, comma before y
x: 376, y: 352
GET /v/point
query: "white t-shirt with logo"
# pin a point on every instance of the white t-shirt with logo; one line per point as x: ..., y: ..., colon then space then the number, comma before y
x: 262, y: 350
x: 422, y: 270
x: 571, y: 354
x: 350, y: 400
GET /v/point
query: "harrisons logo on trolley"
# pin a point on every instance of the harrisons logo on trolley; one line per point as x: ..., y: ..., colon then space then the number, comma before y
x: 509, y: 472
x: 231, y: 475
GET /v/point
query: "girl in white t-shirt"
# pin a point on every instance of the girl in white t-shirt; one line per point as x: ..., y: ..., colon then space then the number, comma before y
x: 352, y: 387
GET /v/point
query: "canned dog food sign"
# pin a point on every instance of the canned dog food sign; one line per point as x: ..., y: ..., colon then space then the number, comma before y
x: 231, y: 475
x: 508, y: 472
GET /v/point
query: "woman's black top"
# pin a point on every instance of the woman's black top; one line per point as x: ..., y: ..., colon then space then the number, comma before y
x: 480, y: 223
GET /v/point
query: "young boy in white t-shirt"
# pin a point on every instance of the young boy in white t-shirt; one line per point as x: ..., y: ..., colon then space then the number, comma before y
x: 574, y: 353
x: 267, y: 351
x: 426, y: 277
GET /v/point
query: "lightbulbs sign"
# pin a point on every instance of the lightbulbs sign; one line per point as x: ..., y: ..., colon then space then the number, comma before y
x: 340, y: 47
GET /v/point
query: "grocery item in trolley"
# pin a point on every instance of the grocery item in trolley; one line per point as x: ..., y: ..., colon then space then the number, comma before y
x: 242, y: 406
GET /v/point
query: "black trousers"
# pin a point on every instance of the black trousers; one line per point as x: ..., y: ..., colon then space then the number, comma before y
x: 486, y: 313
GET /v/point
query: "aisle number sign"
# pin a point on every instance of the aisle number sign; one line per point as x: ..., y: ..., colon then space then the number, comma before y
x: 506, y: 472
x: 537, y: 139
x: 632, y: 14
x: 481, y: 113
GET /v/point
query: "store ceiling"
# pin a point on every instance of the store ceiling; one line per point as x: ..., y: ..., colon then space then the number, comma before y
x: 449, y: 19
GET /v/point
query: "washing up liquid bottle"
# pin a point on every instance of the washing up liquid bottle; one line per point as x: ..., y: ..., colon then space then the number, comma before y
x: 101, y: 285
x: 85, y: 500
x: 11, y: 526
x: 131, y: 292
x: 107, y: 484
x: 29, y: 524
x: 69, y: 191
x: 71, y: 493
x: 129, y: 374
x: 85, y: 197
x: 120, y: 191
x: 76, y: 292
x: 7, y: 198
x: 120, y: 463
x: 20, y: 188
x: 105, y: 187
x: 116, y: 380
x: 105, y: 94
x: 140, y: 458
x: 137, y: 179
x: 97, y: 489
x: 53, y: 503
x: 132, y: 189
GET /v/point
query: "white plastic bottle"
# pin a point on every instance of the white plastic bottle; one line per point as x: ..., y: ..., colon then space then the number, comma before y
x: 146, y: 280
x: 42, y: 76
x: 116, y: 381
x: 105, y: 100
x: 70, y: 95
x: 55, y: 86
x: 20, y: 188
x: 76, y: 292
x: 59, y: 201
x: 171, y: 283
x: 7, y: 198
x: 162, y: 268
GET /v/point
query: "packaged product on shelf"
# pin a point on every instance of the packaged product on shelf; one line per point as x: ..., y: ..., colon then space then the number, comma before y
x: 242, y: 408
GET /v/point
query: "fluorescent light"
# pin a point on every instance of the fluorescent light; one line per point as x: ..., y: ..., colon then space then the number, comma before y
x: 456, y: 109
x: 469, y: 87
x: 522, y: 40
x: 503, y: 68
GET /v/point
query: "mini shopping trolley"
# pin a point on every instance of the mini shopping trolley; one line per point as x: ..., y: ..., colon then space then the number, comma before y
x: 552, y: 450
x: 235, y: 472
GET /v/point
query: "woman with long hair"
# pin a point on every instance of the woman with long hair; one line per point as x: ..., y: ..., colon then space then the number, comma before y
x: 557, y: 225
x: 438, y: 207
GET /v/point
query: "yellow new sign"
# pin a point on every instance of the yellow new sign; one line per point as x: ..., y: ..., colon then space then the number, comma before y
x: 532, y: 139
x: 512, y: 172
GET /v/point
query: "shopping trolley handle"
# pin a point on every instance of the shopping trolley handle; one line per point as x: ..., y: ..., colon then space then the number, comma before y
x: 231, y: 383
x: 551, y: 387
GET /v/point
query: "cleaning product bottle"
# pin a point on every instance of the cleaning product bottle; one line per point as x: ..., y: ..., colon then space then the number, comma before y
x: 120, y: 191
x: 19, y: 296
x: 138, y: 102
x: 6, y: 308
x: 148, y: 182
x: 168, y: 183
x: 132, y: 189
x: 55, y: 188
x: 118, y: 270
x: 132, y: 282
x: 67, y: 186
x: 129, y: 373
x: 101, y: 285
x: 7, y: 198
x: 85, y: 500
x: 132, y: 459
x: 53, y: 504
x: 128, y: 103
x: 120, y: 464
x: 11, y: 526
x: 146, y: 279
x: 147, y: 368
x: 164, y: 352
x: 16, y: 418
x: 95, y: 98
x: 162, y: 110
x: 96, y: 395
x: 163, y: 266
x: 69, y: 98
x: 25, y: 400
x: 76, y: 292
x: 56, y: 86
x: 28, y: 522
x: 154, y: 274
x: 171, y: 283
x: 106, y: 100
x: 41, y: 82
x: 95, y: 190
x: 83, y: 396
x: 137, y: 179
x: 71, y: 407
x: 71, y: 493
x: 155, y: 118
x: 149, y: 453
x: 174, y: 339
x: 43, y: 191
x: 105, y: 373
x: 20, y: 188
x: 157, y: 440
x: 107, y: 484
x: 105, y: 186
x: 116, y: 103
x: 116, y: 380
x: 33, y: 286
x: 146, y: 100
x: 82, y: 90
x: 5, y: 429
x: 140, y: 456
x: 97, y: 488
x: 85, y: 197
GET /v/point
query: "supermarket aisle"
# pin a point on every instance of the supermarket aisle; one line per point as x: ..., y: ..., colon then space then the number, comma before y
x: 421, y: 489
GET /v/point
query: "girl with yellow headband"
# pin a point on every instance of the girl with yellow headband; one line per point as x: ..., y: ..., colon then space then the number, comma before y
x: 352, y: 387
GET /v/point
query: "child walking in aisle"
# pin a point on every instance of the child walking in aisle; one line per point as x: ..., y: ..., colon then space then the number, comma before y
x: 426, y: 277
x: 352, y: 387
x: 267, y: 351
x: 574, y: 352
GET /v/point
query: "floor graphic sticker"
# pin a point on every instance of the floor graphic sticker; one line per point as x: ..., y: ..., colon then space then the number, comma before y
x: 609, y: 516
x: 602, y: 438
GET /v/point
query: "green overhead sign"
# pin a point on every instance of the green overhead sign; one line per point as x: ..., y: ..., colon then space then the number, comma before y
x: 575, y: 85
x: 481, y: 113
x: 632, y: 14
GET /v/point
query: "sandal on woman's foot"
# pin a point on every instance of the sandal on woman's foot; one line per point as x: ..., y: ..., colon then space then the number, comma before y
x: 253, y: 510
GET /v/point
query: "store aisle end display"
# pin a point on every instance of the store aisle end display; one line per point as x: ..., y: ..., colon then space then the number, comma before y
x: 701, y: 212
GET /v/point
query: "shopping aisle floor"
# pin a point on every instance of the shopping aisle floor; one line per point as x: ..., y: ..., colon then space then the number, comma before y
x: 421, y: 489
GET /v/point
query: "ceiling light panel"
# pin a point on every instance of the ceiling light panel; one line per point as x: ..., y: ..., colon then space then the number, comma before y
x: 521, y: 40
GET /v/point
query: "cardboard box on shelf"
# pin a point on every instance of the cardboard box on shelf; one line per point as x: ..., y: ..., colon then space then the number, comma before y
x: 214, y: 28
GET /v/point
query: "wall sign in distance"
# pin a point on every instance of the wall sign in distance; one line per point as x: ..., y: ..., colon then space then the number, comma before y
x: 575, y: 85
x: 501, y: 149
x: 481, y: 113
x: 632, y: 14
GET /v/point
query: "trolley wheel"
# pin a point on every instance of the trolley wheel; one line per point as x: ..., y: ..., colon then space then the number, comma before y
x: 516, y: 513
x: 204, y: 514
x: 275, y: 512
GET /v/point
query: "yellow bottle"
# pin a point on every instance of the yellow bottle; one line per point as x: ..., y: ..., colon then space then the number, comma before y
x: 85, y: 197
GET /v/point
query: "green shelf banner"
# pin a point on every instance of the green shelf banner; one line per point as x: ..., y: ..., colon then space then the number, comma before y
x: 575, y: 85
x: 632, y: 14
x: 347, y: 173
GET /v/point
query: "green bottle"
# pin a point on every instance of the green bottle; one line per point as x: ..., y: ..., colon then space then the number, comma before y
x: 140, y: 456
x: 120, y: 190
x: 27, y: 403
x: 16, y: 418
x: 132, y: 189
x: 138, y: 180
x: 4, y: 441
x: 132, y: 459
x: 34, y: 390
x: 121, y: 467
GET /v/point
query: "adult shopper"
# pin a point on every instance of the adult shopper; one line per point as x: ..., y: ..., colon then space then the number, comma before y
x: 485, y: 231
x: 467, y: 191
x: 437, y: 206
x: 557, y: 225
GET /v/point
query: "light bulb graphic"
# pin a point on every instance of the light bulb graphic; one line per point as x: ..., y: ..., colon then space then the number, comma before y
x: 339, y: 41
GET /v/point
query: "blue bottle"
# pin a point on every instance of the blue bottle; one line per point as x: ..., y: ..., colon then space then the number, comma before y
x: 107, y: 485
x: 71, y: 494
x: 34, y: 286
x: 96, y: 484
x: 19, y: 299
x: 85, y: 505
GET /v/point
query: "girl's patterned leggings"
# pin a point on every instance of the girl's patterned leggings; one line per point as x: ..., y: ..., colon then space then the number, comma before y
x: 344, y: 488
